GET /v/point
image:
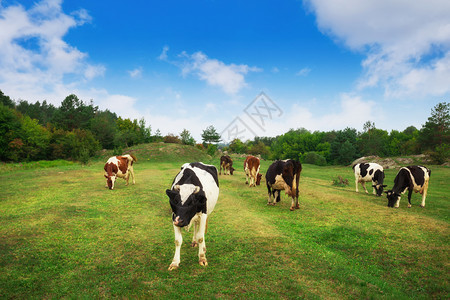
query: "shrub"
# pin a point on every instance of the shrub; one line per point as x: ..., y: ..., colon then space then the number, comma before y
x: 171, y: 139
x: 340, y: 181
x: 314, y: 158
x: 211, y: 150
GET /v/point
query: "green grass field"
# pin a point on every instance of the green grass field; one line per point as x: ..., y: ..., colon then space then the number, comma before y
x: 63, y: 235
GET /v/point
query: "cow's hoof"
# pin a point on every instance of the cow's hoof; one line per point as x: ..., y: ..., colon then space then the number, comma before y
x: 292, y: 208
x: 173, y: 266
x: 203, y: 262
x: 423, y: 206
x: 194, y: 244
x: 409, y: 205
x: 297, y: 206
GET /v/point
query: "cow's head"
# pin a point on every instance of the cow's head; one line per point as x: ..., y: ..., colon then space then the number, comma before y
x: 186, y: 200
x: 393, y: 198
x: 231, y: 170
x: 258, y: 179
x: 111, y: 171
x: 110, y: 180
x: 379, y: 188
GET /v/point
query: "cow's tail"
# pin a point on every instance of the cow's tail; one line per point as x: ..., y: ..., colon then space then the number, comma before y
x: 133, y: 157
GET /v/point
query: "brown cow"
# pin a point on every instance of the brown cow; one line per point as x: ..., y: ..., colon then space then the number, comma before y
x: 119, y: 166
x: 251, y: 168
x: 226, y: 163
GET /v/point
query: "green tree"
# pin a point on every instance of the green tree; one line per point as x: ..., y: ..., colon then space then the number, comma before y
x: 104, y: 128
x: 237, y: 146
x: 186, y: 138
x: 436, y: 130
x: 210, y: 135
x: 73, y: 113
x: 344, y: 146
x: 260, y: 149
x: 35, y: 138
x: 5, y: 100
x: 9, y: 130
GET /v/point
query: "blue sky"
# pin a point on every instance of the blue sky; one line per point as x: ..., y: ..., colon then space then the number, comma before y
x: 323, y: 65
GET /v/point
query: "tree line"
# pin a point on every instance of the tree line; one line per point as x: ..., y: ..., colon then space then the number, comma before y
x: 78, y: 130
x: 343, y: 146
x: 75, y: 130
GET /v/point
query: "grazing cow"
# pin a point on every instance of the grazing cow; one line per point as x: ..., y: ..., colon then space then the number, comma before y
x: 119, y: 166
x: 284, y: 175
x: 251, y: 168
x: 370, y: 172
x: 412, y: 178
x: 226, y: 163
x: 193, y: 196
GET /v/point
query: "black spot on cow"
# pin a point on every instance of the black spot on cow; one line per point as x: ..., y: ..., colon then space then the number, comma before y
x: 208, y: 168
x: 371, y: 172
x: 363, y: 167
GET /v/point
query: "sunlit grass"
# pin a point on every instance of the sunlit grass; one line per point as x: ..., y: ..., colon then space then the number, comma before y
x: 63, y: 234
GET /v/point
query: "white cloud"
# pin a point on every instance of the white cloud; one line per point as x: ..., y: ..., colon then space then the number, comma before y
x: 350, y: 111
x: 163, y: 55
x: 398, y: 37
x: 303, y: 72
x: 230, y: 78
x: 136, y: 73
x: 34, y: 59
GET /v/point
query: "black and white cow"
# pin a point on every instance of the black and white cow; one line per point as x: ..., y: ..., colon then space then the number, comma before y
x: 412, y: 178
x: 283, y: 175
x: 366, y: 172
x: 193, y: 196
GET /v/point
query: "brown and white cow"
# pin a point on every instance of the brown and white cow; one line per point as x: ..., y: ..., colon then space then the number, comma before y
x: 284, y: 175
x: 119, y: 166
x: 226, y: 163
x: 251, y: 168
x: 412, y: 178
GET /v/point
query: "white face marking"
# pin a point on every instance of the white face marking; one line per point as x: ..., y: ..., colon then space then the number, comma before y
x: 185, y: 191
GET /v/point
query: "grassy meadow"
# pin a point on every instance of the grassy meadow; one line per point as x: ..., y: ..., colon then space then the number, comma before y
x: 63, y: 235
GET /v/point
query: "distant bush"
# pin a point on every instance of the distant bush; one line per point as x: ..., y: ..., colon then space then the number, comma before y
x: 314, y: 158
x: 440, y: 155
x: 171, y: 139
x: 211, y: 150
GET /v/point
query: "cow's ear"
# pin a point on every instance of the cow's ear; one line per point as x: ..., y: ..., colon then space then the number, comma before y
x: 172, y: 193
x: 105, y: 176
x: 384, y: 185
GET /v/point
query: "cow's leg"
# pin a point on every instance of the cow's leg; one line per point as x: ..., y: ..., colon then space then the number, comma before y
x: 363, y: 183
x: 195, y: 236
x: 292, y: 204
x: 178, y: 241
x: 424, y: 191
x: 269, y: 201
x: 424, y: 195
x: 374, y: 184
x: 356, y: 184
x: 246, y: 177
x: 409, y: 197
x: 278, y: 196
x: 127, y: 176
x: 132, y: 174
x: 201, y: 241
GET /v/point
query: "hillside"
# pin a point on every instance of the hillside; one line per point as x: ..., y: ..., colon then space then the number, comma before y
x: 160, y: 152
x: 395, y: 162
